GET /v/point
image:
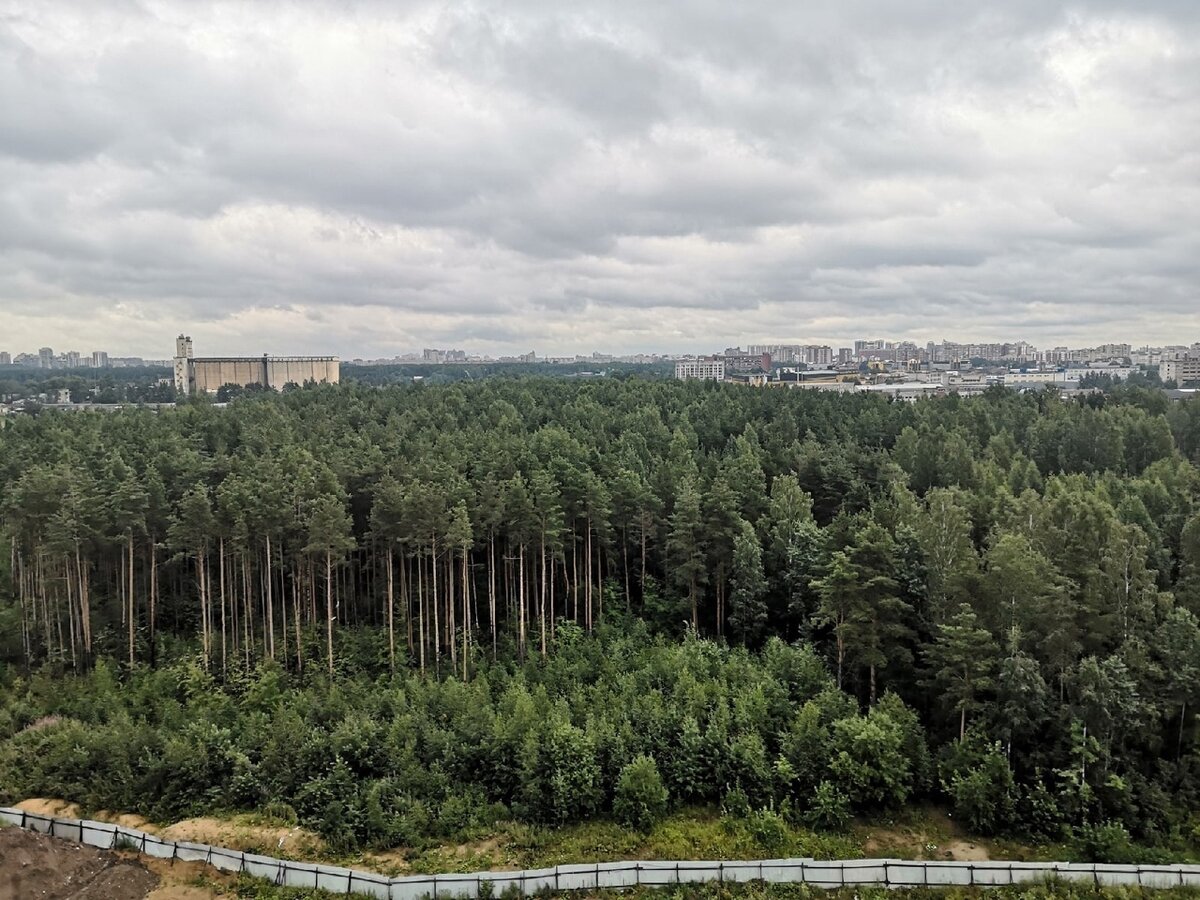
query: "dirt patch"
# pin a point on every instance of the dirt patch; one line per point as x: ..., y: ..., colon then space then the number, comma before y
x: 271, y: 840
x: 932, y: 836
x: 966, y: 851
x: 489, y: 847
x: 36, y: 865
x: 386, y: 862
x: 40, y: 806
x: 186, y: 880
x: 125, y: 820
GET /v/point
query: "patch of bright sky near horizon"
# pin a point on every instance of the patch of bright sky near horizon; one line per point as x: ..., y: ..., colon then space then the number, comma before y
x: 368, y: 178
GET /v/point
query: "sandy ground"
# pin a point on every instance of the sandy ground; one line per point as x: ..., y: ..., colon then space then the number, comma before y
x: 36, y: 865
x: 271, y: 840
x: 938, y: 836
x: 234, y: 834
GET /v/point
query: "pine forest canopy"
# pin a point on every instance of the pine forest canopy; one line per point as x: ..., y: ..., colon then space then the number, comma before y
x: 546, y: 596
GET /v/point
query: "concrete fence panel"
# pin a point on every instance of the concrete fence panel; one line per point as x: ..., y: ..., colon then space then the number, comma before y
x: 603, y: 876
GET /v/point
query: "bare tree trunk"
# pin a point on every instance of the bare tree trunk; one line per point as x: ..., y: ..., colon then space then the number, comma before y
x: 437, y: 642
x: 132, y: 602
x: 406, y: 594
x: 542, y: 603
x: 270, y: 598
x: 17, y: 575
x: 451, y: 624
x: 588, y: 586
x: 247, y: 607
x: 391, y: 614
x: 153, y: 600
x: 625, y: 561
x: 203, y: 608
x: 492, y: 589
x: 224, y: 653
x: 71, y: 616
x: 466, y: 596
x: 329, y: 609
x: 421, y: 605
x: 296, y: 621
x: 574, y: 574
x: 521, y: 610
x: 283, y: 604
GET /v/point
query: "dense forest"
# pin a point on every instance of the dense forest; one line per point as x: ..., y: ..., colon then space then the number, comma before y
x: 134, y: 384
x: 407, y: 611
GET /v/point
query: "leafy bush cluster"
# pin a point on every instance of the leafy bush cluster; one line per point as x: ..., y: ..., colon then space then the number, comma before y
x: 624, y: 724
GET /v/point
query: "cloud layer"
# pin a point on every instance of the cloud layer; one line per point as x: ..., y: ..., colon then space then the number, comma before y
x: 371, y: 177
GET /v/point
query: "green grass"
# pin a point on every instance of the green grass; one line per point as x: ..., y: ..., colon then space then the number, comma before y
x: 690, y: 834
x: 250, y: 889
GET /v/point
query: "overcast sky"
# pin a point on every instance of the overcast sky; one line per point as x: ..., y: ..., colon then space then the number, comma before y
x: 365, y: 178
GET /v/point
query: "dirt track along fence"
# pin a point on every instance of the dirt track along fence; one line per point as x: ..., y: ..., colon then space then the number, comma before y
x: 599, y: 876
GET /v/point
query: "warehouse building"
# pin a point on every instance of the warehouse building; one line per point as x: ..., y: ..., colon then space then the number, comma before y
x: 207, y: 376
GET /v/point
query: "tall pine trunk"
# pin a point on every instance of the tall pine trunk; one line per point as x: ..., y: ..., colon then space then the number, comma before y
x: 391, y: 604
x: 329, y: 609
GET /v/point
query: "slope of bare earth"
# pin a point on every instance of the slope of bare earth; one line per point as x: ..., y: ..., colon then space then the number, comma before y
x: 36, y: 865
x: 235, y: 833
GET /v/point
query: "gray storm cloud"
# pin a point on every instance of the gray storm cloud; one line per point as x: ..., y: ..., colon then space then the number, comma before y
x: 370, y: 177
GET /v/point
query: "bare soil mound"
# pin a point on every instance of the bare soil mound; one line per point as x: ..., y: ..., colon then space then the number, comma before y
x: 42, y: 806
x: 36, y: 865
x: 291, y: 842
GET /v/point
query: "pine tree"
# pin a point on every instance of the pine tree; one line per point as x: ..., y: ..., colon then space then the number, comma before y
x: 748, y: 588
x: 962, y: 659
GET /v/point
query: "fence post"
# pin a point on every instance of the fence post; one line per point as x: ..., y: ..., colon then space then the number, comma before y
x: 803, y: 876
x: 887, y: 880
x: 720, y: 873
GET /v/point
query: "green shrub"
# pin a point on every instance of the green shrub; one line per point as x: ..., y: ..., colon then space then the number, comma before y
x: 830, y: 808
x: 1107, y: 842
x: 641, y: 799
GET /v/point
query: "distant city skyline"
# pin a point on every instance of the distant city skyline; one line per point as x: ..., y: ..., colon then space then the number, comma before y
x: 450, y: 353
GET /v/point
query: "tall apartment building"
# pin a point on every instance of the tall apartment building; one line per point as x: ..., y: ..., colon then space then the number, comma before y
x: 45, y: 358
x: 99, y: 359
x: 74, y: 360
x: 705, y: 368
x: 737, y: 361
x: 817, y: 356
x: 1181, y: 368
x: 5, y: 358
